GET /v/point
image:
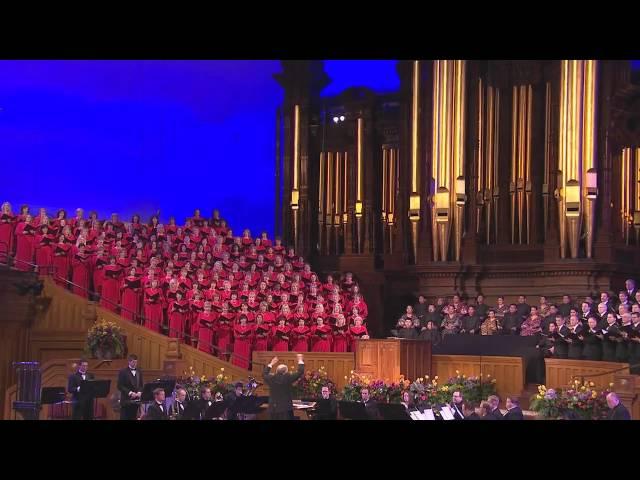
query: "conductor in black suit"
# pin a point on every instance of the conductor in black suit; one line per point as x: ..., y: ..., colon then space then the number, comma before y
x: 618, y: 410
x: 82, y: 397
x: 130, y: 385
x: 158, y: 410
x: 327, y: 407
x: 280, y: 396
x: 514, y: 412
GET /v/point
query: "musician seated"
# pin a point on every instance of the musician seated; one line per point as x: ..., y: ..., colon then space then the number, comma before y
x: 230, y: 400
x: 157, y: 410
x: 470, y: 411
x: 179, y: 407
x: 407, y: 401
x: 326, y: 407
x: 202, y: 404
x: 370, y: 405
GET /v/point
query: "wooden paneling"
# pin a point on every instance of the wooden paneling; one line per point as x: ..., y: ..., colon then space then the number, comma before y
x: 337, y: 365
x: 560, y: 372
x: 387, y: 359
x: 507, y: 371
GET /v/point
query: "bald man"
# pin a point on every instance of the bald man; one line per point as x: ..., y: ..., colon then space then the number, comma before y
x: 618, y: 410
x: 280, y: 396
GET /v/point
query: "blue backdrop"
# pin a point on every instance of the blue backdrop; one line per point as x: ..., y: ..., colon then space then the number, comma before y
x: 138, y: 136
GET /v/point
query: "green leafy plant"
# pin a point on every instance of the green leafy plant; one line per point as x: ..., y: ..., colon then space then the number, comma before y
x: 106, y: 336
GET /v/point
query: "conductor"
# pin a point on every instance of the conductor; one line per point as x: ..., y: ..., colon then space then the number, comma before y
x: 280, y: 396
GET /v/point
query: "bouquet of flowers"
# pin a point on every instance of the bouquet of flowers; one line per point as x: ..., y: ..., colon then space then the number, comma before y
x: 193, y: 383
x: 473, y: 389
x: 310, y: 385
x: 423, y: 390
x: 379, y: 390
x: 580, y: 400
x: 105, y: 339
x: 351, y: 391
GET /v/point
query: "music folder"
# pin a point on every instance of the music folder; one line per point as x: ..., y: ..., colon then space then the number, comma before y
x: 446, y: 413
x: 216, y: 410
x: 52, y: 395
x: 393, y: 411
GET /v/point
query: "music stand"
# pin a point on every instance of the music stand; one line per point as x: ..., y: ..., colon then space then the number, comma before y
x: 216, y: 410
x: 249, y: 405
x: 353, y: 410
x: 96, y: 389
x: 393, y: 411
x: 52, y: 395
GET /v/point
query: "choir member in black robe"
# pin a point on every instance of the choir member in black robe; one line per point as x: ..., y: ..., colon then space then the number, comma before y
x: 611, y: 336
x: 561, y: 349
x: 592, y: 342
x: 573, y: 339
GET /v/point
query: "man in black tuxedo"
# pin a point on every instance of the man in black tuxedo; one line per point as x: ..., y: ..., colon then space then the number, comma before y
x: 280, y: 395
x: 469, y: 411
x: 198, y: 408
x: 457, y: 406
x: 514, y: 412
x: 494, y: 405
x: 327, y: 407
x: 158, y: 410
x: 618, y: 410
x: 130, y: 385
x: 561, y: 347
x: 630, y: 288
x: 82, y: 397
x: 178, y: 409
x: 370, y: 406
x: 230, y: 400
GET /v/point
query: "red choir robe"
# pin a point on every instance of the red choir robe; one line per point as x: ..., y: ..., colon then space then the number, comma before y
x: 81, y: 274
x: 25, y: 238
x: 243, y: 338
x: 280, y: 339
x: 196, y: 307
x: 153, y: 300
x: 7, y: 226
x: 206, y: 322
x: 362, y: 308
x: 340, y: 338
x: 304, y: 316
x: 44, y: 253
x: 178, y: 312
x: 262, y: 335
x: 61, y: 262
x: 98, y: 272
x: 223, y: 336
x: 131, y: 293
x: 300, y: 339
x: 354, y: 334
x: 110, y: 297
x: 321, y: 338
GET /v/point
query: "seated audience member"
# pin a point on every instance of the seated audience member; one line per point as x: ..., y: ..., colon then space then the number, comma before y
x: 407, y: 331
x: 531, y: 326
x: 511, y: 321
x: 430, y: 333
x: 490, y: 325
x: 451, y: 321
x: 470, y: 323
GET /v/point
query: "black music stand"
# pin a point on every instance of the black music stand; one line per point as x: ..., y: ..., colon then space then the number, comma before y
x: 393, y: 411
x: 249, y: 405
x: 96, y: 389
x: 52, y: 395
x: 353, y: 410
x: 216, y: 410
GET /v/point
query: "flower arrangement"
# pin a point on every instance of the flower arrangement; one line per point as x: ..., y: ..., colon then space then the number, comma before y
x: 310, y: 385
x: 379, y: 390
x: 192, y: 383
x: 473, y: 388
x: 105, y: 339
x: 580, y: 400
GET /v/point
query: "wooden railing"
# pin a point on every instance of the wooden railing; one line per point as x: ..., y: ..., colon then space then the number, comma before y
x: 561, y: 372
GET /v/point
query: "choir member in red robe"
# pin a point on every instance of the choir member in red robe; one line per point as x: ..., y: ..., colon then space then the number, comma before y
x: 206, y: 320
x: 280, y: 336
x: 25, y: 238
x: 268, y: 317
x: 340, y: 333
x: 61, y: 261
x: 243, y: 338
x: 320, y: 337
x: 7, y: 224
x: 153, y: 300
x: 110, y: 297
x: 319, y: 314
x: 358, y: 331
x: 130, y: 300
x: 196, y: 307
x: 262, y: 332
x: 99, y: 262
x: 178, y: 310
x: 300, y: 337
x: 360, y: 303
x: 223, y: 334
x: 44, y: 251
x: 81, y: 272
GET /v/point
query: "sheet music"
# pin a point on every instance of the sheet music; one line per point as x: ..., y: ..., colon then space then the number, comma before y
x: 428, y: 414
x: 446, y: 413
x: 415, y: 415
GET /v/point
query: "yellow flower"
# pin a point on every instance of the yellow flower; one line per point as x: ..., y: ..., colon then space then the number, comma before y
x: 591, y: 384
x: 594, y: 394
x: 351, y: 372
x: 427, y: 377
x: 457, y: 372
x: 493, y: 380
x: 222, y: 369
x: 611, y: 384
x: 436, y: 377
x: 345, y: 377
x: 539, y: 397
x: 464, y: 376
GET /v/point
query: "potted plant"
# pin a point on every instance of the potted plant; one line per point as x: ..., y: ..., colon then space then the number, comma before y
x: 105, y: 340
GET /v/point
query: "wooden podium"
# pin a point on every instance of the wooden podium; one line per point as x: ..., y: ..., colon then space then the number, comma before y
x: 389, y: 358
